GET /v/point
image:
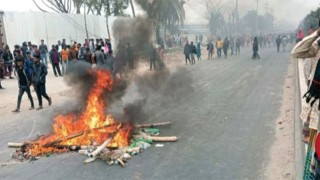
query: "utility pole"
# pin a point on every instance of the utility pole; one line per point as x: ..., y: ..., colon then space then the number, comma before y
x: 133, y: 12
x: 237, y: 17
x: 85, y: 20
x: 257, y: 17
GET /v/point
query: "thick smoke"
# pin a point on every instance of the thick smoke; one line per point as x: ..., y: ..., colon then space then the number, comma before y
x: 159, y: 91
x: 156, y: 90
x: 138, y: 32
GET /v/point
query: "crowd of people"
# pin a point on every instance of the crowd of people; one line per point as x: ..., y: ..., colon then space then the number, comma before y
x: 233, y: 45
x: 30, y: 63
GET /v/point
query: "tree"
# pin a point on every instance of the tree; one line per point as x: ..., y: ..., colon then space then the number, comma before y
x: 166, y: 13
x: 312, y: 19
x: 97, y: 7
x: 215, y: 16
x: 265, y: 24
x: 55, y: 5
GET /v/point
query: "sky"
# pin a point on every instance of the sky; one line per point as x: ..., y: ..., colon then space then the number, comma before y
x: 288, y: 11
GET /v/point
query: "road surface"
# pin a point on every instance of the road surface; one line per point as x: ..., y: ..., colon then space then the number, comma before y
x: 226, y: 126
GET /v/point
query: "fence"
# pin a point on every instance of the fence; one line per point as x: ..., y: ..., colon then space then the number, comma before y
x: 33, y: 26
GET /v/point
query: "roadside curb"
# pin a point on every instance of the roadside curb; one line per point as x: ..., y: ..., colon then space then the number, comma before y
x: 300, y: 148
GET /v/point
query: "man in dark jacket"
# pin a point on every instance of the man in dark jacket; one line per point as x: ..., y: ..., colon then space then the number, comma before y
x: 24, y: 83
x: 186, y: 52
x: 8, y: 58
x: 226, y: 44
x: 210, y: 49
x: 193, y: 52
x: 28, y: 65
x: 55, y: 61
x: 39, y: 78
x: 255, y: 48
x: 278, y: 41
x: 153, y: 57
x: 130, y: 57
x: 24, y: 49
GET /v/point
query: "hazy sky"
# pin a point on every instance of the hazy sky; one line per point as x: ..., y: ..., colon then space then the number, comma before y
x: 290, y: 10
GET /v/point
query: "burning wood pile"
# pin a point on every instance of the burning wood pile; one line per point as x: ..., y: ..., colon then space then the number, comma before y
x: 93, y: 132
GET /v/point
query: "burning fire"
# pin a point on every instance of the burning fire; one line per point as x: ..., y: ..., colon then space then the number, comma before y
x: 92, y: 125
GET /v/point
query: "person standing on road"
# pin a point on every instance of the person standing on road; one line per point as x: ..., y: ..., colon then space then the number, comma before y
x: 193, y: 52
x: 39, y: 78
x: 64, y: 59
x: 210, y: 49
x: 198, y: 51
x: 28, y: 65
x: 44, y: 52
x: 255, y: 48
x: 24, y: 48
x: 130, y: 58
x: 238, y: 44
x: 1, y: 66
x: 186, y: 52
x: 153, y: 57
x: 278, y: 42
x: 24, y: 82
x: 55, y: 61
x: 219, y: 45
x: 99, y: 56
x: 232, y: 45
x: 226, y: 44
x: 7, y: 58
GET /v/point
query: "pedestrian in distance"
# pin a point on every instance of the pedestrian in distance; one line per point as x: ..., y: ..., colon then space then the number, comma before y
x: 226, y: 45
x: 238, y: 44
x: 8, y: 61
x: 255, y: 48
x: 130, y: 58
x: 39, y: 79
x: 198, y: 51
x: 210, y: 49
x: 153, y: 57
x: 24, y: 82
x: 55, y: 61
x: 219, y: 45
x: 65, y: 53
x: 44, y: 52
x: 278, y: 42
x: 186, y: 52
x: 193, y: 52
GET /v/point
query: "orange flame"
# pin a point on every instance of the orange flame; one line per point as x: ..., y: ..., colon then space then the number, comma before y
x: 92, y: 118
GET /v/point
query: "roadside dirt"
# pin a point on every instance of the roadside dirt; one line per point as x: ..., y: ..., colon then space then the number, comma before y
x: 281, y: 163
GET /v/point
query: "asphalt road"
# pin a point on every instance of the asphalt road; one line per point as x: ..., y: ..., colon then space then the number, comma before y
x: 225, y: 128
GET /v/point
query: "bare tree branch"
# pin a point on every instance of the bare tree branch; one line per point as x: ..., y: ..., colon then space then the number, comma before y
x: 34, y: 1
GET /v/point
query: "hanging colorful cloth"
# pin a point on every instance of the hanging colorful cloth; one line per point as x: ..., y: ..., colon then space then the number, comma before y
x: 308, y: 173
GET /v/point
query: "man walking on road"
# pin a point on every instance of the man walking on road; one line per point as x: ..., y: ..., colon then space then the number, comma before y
x: 39, y: 78
x: 255, y: 48
x: 210, y: 49
x: 226, y: 44
x: 193, y: 52
x: 186, y: 52
x: 64, y: 58
x: 55, y: 61
x: 24, y: 82
x: 219, y: 45
x: 43, y: 53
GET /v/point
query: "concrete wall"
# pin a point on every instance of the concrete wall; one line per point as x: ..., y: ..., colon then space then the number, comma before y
x: 34, y: 26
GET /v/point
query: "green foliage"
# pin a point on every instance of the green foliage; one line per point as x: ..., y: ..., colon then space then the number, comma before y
x: 265, y: 22
x: 312, y: 19
x: 165, y: 12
